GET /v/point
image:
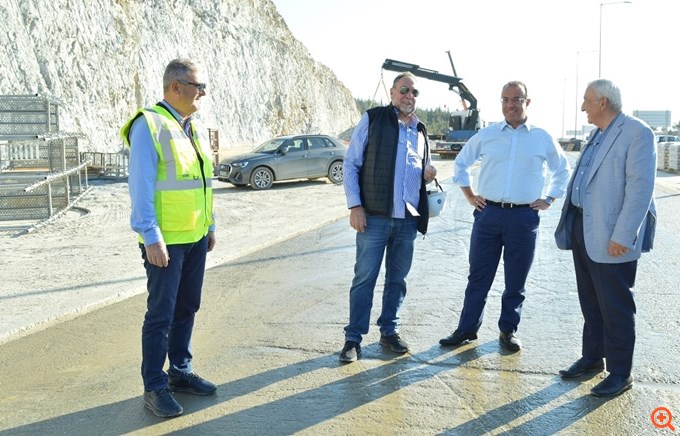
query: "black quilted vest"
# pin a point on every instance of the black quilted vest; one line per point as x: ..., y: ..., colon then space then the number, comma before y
x: 376, y: 178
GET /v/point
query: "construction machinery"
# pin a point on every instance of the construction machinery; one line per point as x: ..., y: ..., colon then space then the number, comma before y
x: 463, y: 124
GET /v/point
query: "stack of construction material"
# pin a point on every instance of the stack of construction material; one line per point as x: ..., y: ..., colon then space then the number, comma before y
x: 39, y: 165
x: 668, y: 156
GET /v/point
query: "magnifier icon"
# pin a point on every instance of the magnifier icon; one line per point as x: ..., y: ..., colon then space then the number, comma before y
x: 662, y: 418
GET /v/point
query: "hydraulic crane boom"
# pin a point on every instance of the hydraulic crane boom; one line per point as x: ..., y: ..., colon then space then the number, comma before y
x: 455, y: 84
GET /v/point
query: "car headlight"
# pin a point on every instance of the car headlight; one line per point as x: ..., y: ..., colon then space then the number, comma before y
x: 240, y: 164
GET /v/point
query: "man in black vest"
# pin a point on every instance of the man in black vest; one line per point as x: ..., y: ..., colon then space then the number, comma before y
x: 385, y: 172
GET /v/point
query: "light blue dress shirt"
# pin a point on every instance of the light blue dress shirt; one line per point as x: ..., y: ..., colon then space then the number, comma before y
x: 408, y: 172
x: 513, y: 164
x: 583, y: 165
x: 142, y: 171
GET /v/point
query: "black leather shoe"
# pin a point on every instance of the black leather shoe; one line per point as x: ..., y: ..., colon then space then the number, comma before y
x: 612, y: 386
x: 582, y: 366
x: 510, y: 342
x: 350, y: 352
x: 190, y: 383
x: 457, y: 338
x: 162, y: 403
x: 395, y: 343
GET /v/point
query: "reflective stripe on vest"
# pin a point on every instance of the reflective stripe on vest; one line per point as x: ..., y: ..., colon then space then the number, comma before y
x: 172, y: 184
x: 184, y: 197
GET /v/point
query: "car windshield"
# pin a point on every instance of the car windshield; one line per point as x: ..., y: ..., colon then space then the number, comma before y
x: 270, y: 146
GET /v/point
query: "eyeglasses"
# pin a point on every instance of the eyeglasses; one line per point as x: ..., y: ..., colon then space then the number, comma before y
x: 405, y: 90
x: 200, y: 86
x: 514, y: 100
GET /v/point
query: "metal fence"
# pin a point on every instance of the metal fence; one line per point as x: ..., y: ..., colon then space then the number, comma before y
x: 41, y: 172
x: 106, y: 164
x: 28, y: 115
x: 40, y: 177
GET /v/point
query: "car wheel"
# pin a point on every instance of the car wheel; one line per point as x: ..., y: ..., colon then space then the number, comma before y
x: 335, y: 172
x: 261, y: 178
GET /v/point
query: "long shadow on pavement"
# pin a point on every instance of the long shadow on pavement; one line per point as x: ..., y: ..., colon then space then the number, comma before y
x: 281, y: 416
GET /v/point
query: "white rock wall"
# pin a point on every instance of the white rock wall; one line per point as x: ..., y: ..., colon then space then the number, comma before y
x: 104, y: 58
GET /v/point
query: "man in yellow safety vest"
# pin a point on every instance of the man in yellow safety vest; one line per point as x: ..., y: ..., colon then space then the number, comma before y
x: 170, y: 176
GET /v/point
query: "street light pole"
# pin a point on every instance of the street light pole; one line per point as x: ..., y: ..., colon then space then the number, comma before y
x: 599, y: 51
x: 576, y: 99
x: 578, y: 107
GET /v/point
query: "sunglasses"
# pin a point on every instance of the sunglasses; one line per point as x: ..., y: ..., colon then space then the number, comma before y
x: 200, y: 86
x: 405, y: 90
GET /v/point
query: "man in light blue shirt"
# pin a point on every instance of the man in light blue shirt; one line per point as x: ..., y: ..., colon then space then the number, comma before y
x: 509, y: 196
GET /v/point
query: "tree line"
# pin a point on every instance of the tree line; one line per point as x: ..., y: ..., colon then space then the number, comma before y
x: 436, y: 120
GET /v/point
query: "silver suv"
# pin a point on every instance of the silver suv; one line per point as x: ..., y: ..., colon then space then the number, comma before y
x: 286, y: 158
x: 667, y: 138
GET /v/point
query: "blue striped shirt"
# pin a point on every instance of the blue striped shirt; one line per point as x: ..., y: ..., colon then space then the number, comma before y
x: 408, y: 173
x: 583, y: 165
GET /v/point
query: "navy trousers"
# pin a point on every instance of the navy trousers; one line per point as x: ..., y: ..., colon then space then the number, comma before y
x: 174, y: 297
x: 512, y: 232
x: 605, y: 292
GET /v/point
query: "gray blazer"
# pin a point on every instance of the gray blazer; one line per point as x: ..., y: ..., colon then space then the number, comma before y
x: 618, y: 203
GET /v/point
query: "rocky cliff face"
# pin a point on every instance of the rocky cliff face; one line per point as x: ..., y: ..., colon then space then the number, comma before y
x: 102, y: 59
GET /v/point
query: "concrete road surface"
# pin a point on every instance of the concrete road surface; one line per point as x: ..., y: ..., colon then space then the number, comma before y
x: 270, y: 329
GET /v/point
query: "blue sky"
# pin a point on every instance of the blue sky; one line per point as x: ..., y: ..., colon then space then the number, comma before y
x: 549, y: 44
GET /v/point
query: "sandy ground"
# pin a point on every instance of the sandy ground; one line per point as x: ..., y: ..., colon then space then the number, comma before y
x: 88, y: 257
x: 270, y: 330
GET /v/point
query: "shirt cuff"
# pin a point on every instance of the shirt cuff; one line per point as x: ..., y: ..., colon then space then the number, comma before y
x: 353, y: 201
x: 152, y: 236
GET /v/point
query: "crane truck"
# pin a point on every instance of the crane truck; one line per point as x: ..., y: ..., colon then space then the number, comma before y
x: 463, y: 124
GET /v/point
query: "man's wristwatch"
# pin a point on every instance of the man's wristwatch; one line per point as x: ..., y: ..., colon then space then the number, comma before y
x: 549, y: 200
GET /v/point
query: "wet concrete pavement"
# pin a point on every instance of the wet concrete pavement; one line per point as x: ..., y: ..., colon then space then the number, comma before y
x: 270, y: 329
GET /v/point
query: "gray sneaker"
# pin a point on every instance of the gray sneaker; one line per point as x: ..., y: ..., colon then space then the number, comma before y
x: 350, y: 352
x: 162, y: 403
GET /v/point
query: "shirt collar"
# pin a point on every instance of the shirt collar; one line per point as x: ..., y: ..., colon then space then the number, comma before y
x: 414, y: 118
x: 176, y: 114
x: 526, y: 125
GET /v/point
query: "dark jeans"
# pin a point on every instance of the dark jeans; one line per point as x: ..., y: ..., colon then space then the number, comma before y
x: 605, y: 292
x: 496, y: 230
x: 173, y: 300
x: 391, y: 236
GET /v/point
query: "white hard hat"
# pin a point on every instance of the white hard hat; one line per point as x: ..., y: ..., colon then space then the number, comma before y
x: 436, y: 201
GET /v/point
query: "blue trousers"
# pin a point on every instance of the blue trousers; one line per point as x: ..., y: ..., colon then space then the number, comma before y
x: 605, y: 292
x: 174, y: 297
x: 496, y: 230
x: 394, y: 238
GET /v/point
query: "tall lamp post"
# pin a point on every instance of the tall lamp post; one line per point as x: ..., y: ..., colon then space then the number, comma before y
x: 578, y: 107
x: 599, y: 51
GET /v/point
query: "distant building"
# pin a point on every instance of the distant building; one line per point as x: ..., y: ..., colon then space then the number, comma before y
x: 655, y: 119
x: 583, y: 133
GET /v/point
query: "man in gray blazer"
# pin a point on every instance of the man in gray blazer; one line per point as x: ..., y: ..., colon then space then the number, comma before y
x: 608, y: 220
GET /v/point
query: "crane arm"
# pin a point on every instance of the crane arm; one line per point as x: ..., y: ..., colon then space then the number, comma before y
x: 455, y: 83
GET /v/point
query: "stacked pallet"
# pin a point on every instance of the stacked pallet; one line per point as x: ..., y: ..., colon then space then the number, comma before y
x: 668, y: 156
x: 40, y: 166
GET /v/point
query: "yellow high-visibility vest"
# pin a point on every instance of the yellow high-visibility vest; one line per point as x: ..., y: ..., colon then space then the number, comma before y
x: 184, y: 196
